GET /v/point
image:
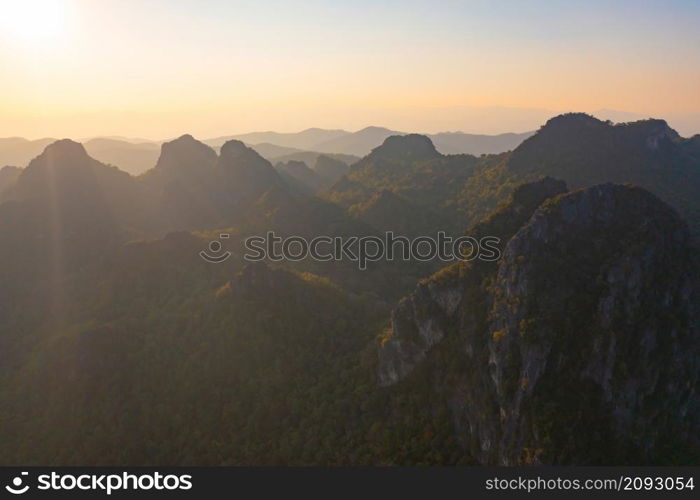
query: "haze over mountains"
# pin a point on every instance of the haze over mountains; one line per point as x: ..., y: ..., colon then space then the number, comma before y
x: 361, y: 142
x: 579, y: 346
x: 136, y: 156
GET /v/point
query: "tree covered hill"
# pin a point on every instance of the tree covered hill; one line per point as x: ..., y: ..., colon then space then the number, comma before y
x: 577, y: 148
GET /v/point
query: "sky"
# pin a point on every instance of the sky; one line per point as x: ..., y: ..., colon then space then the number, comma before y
x: 157, y: 69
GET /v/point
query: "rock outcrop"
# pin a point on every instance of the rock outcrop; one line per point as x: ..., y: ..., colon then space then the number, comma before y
x: 185, y: 154
x: 410, y: 147
x: 579, y: 346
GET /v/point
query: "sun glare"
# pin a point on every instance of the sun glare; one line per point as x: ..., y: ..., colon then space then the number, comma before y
x: 34, y: 22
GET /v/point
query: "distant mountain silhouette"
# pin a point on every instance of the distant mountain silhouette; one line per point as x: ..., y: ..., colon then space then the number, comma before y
x: 271, y: 151
x: 134, y: 158
x: 476, y: 144
x: 362, y: 142
x: 358, y: 143
x: 304, y: 140
x: 137, y: 155
x: 128, y: 155
x: 18, y: 151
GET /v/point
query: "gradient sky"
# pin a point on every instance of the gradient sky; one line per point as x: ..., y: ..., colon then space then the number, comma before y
x: 157, y: 69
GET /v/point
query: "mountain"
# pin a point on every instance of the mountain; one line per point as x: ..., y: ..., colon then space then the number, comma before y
x: 185, y: 155
x: 330, y: 168
x: 310, y: 158
x: 8, y: 176
x: 386, y: 211
x: 411, y: 147
x: 18, y: 151
x: 476, y: 144
x: 274, y: 146
x: 134, y: 158
x: 181, y: 185
x: 583, y: 151
x: 542, y: 361
x: 298, y: 172
x: 361, y: 143
x: 325, y: 172
x: 411, y: 167
x: 193, y: 187
x: 71, y: 184
x: 282, y: 155
x: 577, y: 148
x: 272, y: 151
x: 357, y: 143
x: 131, y: 156
x: 304, y: 140
x: 246, y: 174
x: 579, y: 345
x: 64, y: 209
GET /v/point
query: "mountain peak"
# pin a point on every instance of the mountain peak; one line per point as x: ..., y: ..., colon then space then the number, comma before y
x: 373, y: 129
x: 236, y: 150
x: 64, y: 151
x: 249, y: 173
x: 653, y: 133
x: 406, y: 147
x: 64, y: 154
x: 572, y: 121
x: 65, y: 146
x: 185, y: 152
x: 236, y: 156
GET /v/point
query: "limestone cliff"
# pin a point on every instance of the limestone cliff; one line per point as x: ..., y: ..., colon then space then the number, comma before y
x: 579, y: 346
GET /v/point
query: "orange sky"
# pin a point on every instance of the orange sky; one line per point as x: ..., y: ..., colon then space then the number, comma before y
x: 158, y: 69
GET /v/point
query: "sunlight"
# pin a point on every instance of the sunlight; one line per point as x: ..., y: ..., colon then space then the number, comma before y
x: 35, y: 22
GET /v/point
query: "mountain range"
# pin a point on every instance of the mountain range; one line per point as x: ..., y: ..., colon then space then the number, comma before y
x: 579, y: 345
x: 137, y: 155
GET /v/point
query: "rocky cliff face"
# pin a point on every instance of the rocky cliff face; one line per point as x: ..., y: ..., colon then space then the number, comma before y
x: 420, y: 320
x: 579, y: 346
